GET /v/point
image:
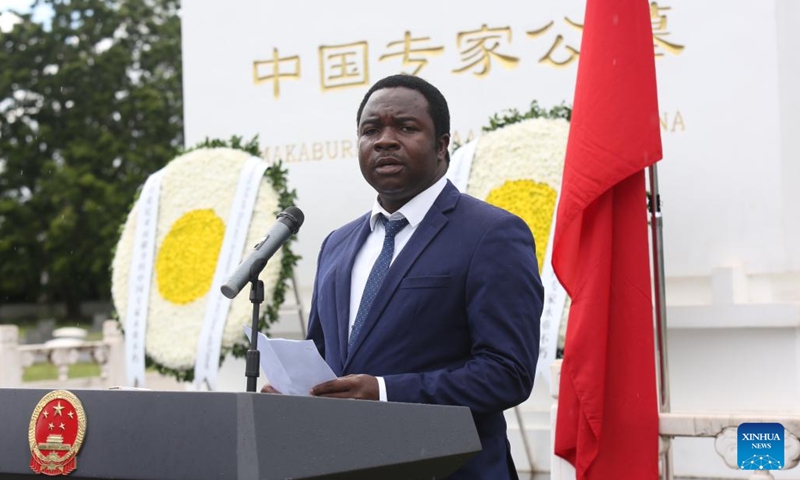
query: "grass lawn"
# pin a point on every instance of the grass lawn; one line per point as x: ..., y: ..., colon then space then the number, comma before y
x: 94, y: 336
x: 23, y: 330
x: 48, y: 371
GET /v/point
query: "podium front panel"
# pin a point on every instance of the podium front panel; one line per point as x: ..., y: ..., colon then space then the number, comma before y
x: 151, y: 435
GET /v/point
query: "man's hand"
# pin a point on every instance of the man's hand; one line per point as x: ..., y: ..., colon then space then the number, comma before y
x: 267, y: 388
x: 364, y: 387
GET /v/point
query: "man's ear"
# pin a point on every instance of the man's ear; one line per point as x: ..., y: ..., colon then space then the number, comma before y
x: 442, y: 145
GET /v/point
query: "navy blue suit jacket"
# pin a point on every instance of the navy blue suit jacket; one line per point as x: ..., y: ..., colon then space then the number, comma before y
x: 456, y: 321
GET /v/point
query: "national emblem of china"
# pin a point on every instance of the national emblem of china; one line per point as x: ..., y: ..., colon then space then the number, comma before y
x: 56, y: 432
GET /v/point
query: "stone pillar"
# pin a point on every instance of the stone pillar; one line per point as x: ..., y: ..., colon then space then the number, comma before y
x: 112, y: 337
x: 10, y: 365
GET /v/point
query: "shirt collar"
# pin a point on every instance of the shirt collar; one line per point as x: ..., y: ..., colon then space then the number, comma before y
x: 414, y: 210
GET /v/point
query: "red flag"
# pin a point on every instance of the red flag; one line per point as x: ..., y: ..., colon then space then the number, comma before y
x: 607, y: 407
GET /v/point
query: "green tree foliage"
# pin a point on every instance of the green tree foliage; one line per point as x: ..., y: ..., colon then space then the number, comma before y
x: 90, y: 105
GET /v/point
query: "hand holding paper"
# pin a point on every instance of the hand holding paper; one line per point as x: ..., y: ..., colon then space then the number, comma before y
x: 292, y: 367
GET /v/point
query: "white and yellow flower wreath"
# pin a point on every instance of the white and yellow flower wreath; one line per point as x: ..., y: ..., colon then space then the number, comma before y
x: 196, y: 195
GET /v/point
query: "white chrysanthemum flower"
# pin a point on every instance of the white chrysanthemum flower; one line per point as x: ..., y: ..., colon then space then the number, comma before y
x: 533, y: 149
x: 197, y: 192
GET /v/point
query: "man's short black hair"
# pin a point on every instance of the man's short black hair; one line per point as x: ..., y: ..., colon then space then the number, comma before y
x: 437, y: 105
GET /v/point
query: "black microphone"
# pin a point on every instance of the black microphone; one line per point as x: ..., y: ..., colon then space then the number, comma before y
x: 288, y: 223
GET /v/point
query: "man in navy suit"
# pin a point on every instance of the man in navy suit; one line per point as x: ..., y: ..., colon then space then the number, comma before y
x: 452, y: 315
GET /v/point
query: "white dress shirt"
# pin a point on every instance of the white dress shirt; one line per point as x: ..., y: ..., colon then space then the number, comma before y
x: 413, y: 211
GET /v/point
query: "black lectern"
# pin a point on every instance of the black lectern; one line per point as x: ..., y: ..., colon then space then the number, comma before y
x: 152, y: 435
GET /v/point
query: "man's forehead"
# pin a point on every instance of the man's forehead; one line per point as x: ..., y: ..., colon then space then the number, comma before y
x: 400, y: 100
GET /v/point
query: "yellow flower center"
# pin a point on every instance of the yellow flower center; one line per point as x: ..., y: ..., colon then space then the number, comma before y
x: 531, y: 201
x: 188, y: 257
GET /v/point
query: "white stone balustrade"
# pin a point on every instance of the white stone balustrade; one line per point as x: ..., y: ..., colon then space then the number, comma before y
x: 721, y: 427
x: 107, y: 353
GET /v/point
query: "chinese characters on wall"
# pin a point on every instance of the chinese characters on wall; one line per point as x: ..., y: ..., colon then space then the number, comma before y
x: 479, y: 51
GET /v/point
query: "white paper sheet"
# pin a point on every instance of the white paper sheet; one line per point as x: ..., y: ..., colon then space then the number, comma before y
x: 292, y: 367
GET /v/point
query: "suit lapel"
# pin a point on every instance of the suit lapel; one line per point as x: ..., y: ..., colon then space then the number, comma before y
x: 427, y: 230
x: 343, y: 280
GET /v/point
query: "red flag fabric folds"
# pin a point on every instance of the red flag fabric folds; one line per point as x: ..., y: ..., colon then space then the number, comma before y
x: 607, y: 409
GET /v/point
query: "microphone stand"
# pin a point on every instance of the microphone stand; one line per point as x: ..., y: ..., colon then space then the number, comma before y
x: 252, y: 366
